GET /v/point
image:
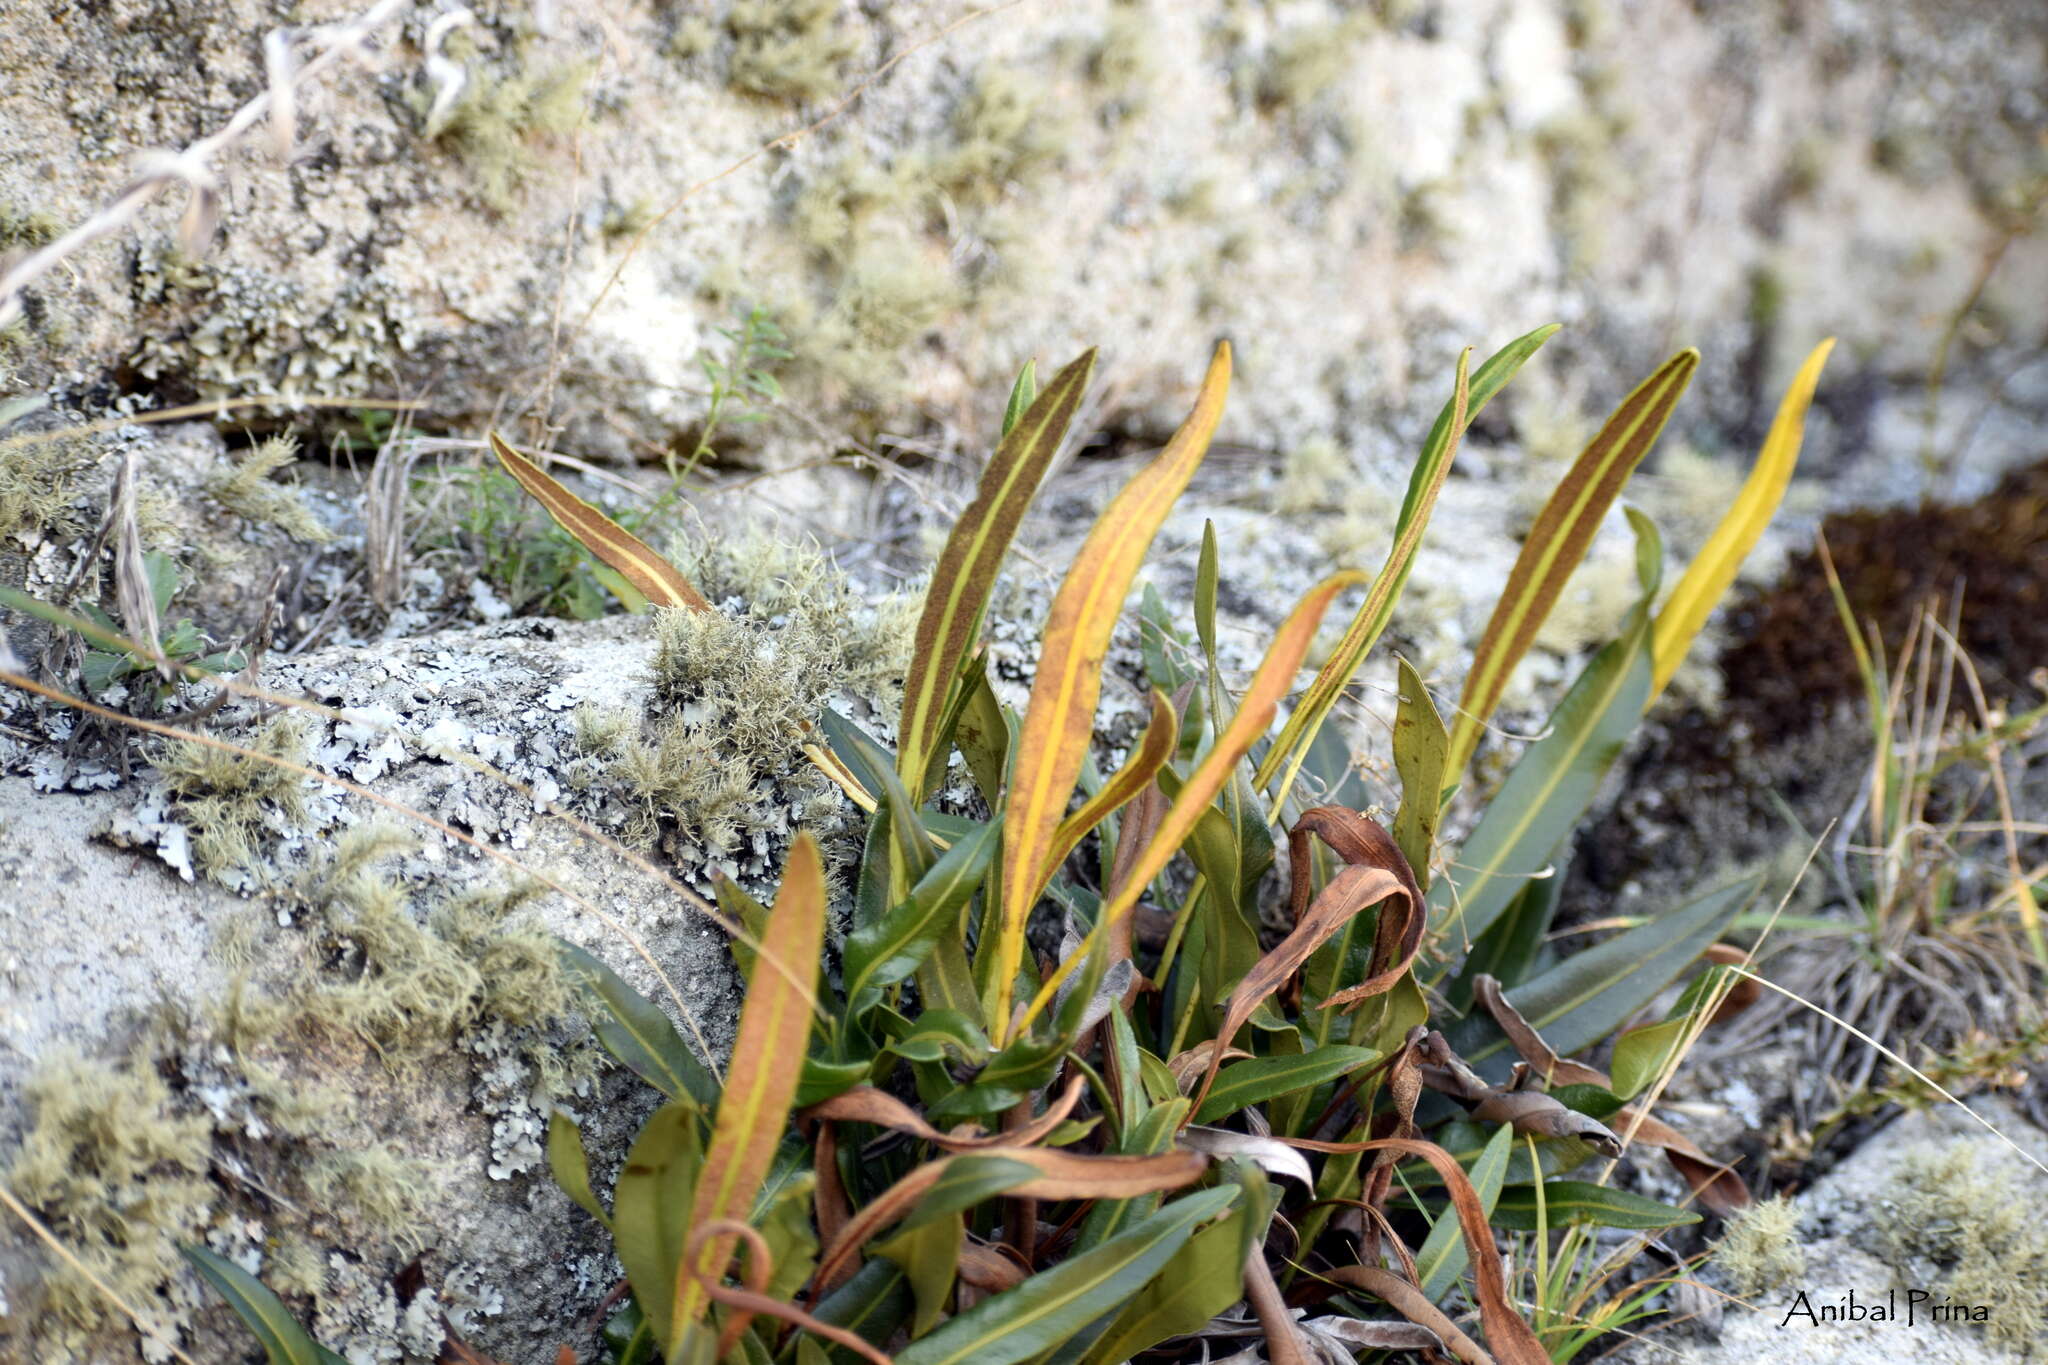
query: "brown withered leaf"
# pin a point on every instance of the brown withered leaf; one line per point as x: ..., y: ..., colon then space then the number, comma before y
x: 1061, y: 1175
x: 1412, y: 1304
x: 1373, y: 871
x: 1511, y: 1339
x: 1713, y: 1183
x: 865, y: 1104
x: 1540, y: 1055
x: 988, y: 1268
x: 1539, y: 1115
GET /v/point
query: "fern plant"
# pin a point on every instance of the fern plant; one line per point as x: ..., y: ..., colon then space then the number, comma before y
x: 946, y: 1147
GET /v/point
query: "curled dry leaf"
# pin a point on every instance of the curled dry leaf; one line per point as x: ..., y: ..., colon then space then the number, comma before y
x: 987, y: 1268
x: 1554, y: 1069
x: 1373, y: 871
x: 1189, y: 1066
x: 865, y: 1104
x: 1539, y: 1115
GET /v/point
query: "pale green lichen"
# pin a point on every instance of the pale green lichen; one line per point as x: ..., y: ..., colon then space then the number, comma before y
x: 119, y: 1175
x: 1306, y: 62
x: 494, y: 126
x: 1980, y: 1225
x: 39, y: 486
x: 714, y: 773
x: 789, y: 49
x: 1761, y: 1248
x: 1001, y: 134
x: 229, y: 798
x: 386, y: 1190
x: 245, y: 488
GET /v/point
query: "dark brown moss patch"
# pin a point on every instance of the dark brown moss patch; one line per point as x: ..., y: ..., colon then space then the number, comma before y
x: 1792, y: 666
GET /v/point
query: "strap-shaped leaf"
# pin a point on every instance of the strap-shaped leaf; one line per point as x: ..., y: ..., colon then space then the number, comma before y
x: 1469, y: 397
x: 1592, y: 993
x: 965, y: 574
x: 284, y: 1341
x: 1138, y: 770
x: 659, y: 581
x: 1442, y: 1258
x: 1421, y: 749
x: 1052, y: 1306
x: 775, y: 1029
x: 1203, y: 1279
x: 649, y: 1206
x: 1060, y: 720
x: 881, y: 954
x: 1558, y: 541
x: 1243, y: 1084
x: 1714, y: 568
x: 1581, y: 1201
x: 1254, y: 716
x: 636, y: 1032
x: 1557, y: 777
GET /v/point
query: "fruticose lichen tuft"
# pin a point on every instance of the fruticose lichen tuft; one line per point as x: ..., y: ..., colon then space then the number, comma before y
x: 1761, y: 1248
x: 1981, y: 1227
x: 246, y: 489
x: 789, y: 49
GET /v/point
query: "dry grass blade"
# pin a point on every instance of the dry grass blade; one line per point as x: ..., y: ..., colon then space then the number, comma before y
x: 965, y: 574
x: 1558, y: 542
x: 653, y: 576
x: 1060, y: 720
x: 1254, y: 717
x: 132, y: 587
x: 753, y: 1111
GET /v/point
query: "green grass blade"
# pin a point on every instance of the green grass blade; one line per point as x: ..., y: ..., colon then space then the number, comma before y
x: 262, y: 1312
x: 879, y: 955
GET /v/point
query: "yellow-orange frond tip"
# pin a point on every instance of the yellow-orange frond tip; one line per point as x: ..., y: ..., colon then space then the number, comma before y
x: 1714, y: 568
x: 659, y: 581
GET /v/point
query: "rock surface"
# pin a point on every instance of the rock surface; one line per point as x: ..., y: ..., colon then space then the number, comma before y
x: 1934, y: 1169
x: 1349, y: 192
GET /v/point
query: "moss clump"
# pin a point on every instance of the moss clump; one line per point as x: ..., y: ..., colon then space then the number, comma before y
x: 228, y: 798
x: 246, y: 489
x: 1981, y: 1225
x: 494, y: 125
x: 789, y: 49
x: 119, y: 1176
x: 39, y: 486
x: 1761, y: 1248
